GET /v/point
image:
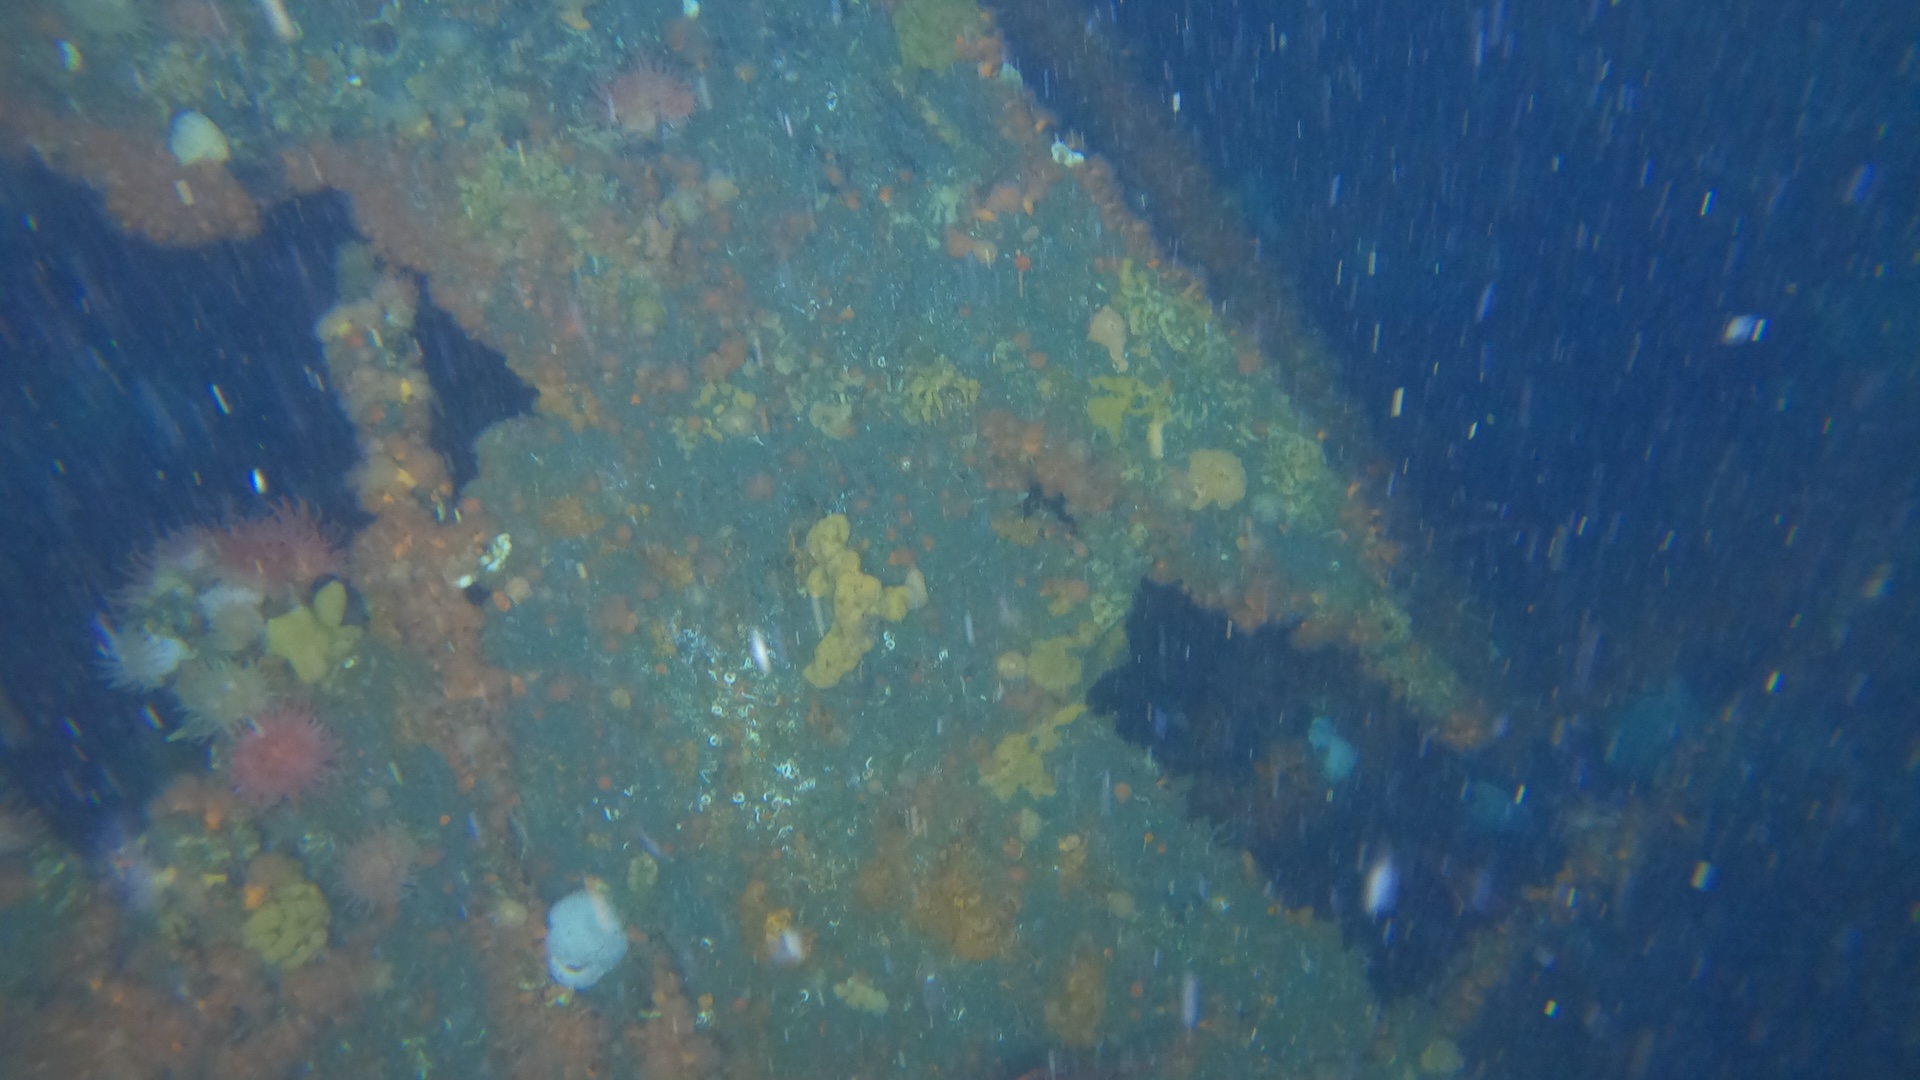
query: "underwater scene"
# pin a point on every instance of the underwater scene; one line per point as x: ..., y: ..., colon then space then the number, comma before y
x: 872, y: 538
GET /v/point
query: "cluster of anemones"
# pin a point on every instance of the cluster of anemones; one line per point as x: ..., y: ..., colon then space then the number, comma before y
x: 192, y: 622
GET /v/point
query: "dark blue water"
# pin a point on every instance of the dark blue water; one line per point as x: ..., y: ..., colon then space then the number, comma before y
x: 1552, y: 231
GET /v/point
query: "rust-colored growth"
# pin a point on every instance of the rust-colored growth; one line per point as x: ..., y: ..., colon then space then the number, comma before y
x: 1368, y: 631
x: 272, y: 869
x: 568, y: 518
x: 1318, y: 631
x: 669, y: 1046
x: 558, y: 395
x: 823, y: 724
x: 1003, y: 433
x: 405, y: 562
x: 327, y: 991
x: 756, y: 912
x: 1464, y: 995
x: 1090, y: 485
x: 1074, y: 1013
x: 1070, y: 863
x: 195, y: 795
x: 616, y: 617
x: 883, y: 882
x: 672, y: 568
x: 1004, y: 198
x: 466, y: 676
x: 567, y: 1043
x: 153, y: 1033
x: 955, y: 908
x: 981, y: 47
x: 1023, y: 454
x: 652, y: 379
x: 1042, y: 174
x: 406, y: 202
x: 722, y: 362
x: 1108, y: 195
x: 646, y: 98
x: 231, y: 983
x: 1262, y: 596
x: 1064, y: 594
x: 959, y: 244
x: 1033, y: 440
x: 384, y: 201
x: 530, y: 1039
x: 1467, y: 728
x: 688, y: 38
x: 149, y: 191
x: 395, y: 467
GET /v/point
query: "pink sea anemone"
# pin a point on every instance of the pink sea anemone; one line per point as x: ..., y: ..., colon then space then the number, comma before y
x: 284, y: 754
x: 169, y: 570
x: 218, y: 695
x: 288, y: 548
x: 377, y: 869
x: 645, y: 99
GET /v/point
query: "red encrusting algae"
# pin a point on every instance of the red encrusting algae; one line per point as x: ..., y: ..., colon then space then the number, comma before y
x: 285, y: 754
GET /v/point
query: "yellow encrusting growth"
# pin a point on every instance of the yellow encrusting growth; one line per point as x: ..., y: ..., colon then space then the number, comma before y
x: 314, y: 640
x: 857, y: 597
x: 1020, y: 759
x: 290, y: 927
x: 1116, y: 397
x: 860, y: 993
x: 1217, y: 479
x: 936, y: 390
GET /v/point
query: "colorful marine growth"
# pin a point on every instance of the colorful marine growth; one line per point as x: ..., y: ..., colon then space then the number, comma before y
x: 774, y: 619
x: 856, y: 599
x: 231, y: 622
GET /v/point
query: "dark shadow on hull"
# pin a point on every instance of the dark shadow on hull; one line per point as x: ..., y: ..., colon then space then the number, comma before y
x: 1231, y: 712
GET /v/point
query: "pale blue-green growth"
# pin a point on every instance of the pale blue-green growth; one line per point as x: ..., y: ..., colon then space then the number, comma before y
x: 585, y: 939
x: 1337, y: 755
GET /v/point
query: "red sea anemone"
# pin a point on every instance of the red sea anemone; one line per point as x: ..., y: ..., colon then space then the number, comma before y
x: 645, y: 99
x: 288, y: 548
x: 285, y: 754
